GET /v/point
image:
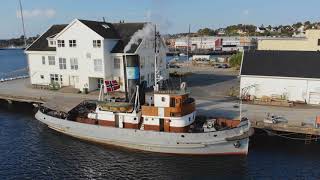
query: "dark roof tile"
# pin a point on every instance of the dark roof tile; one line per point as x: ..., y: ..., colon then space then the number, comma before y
x: 42, y: 44
x: 301, y: 64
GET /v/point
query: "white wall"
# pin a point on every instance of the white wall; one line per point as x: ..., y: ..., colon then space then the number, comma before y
x: 84, y: 49
x: 36, y: 68
x: 85, y: 53
x: 146, y: 54
x: 158, y: 100
x: 295, y: 89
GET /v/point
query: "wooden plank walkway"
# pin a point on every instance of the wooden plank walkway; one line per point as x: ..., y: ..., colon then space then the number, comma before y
x: 283, y: 127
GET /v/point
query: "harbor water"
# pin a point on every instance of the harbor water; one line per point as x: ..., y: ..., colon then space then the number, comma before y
x: 30, y: 150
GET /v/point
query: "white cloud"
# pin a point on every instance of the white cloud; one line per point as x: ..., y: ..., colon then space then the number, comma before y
x: 246, y: 12
x: 36, y: 13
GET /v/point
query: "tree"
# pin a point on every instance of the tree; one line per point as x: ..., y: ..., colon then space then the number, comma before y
x: 235, y: 60
x: 206, y: 32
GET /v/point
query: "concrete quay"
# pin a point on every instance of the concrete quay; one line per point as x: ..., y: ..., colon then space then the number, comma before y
x: 20, y: 90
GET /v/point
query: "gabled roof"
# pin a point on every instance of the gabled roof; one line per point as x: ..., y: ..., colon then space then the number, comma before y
x: 299, y: 64
x: 41, y: 44
x: 121, y: 31
x: 104, y: 29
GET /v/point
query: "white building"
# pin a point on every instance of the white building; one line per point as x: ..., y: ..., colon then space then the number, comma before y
x: 84, y: 53
x: 291, y: 75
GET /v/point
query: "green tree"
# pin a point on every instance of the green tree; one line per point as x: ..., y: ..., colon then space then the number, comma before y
x: 235, y: 60
x: 206, y: 32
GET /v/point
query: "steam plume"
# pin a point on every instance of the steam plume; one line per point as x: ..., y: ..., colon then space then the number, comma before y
x: 146, y: 32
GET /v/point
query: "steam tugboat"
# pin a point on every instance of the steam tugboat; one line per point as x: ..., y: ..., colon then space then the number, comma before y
x: 161, y: 121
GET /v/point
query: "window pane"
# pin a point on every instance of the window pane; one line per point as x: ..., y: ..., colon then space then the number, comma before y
x: 97, y: 65
x: 43, y: 60
x: 117, y: 63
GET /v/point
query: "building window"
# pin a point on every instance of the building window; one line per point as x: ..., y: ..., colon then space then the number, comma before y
x: 52, y: 60
x: 62, y: 63
x: 163, y: 99
x: 88, y: 55
x: 142, y: 78
x: 43, y: 60
x: 74, y: 63
x: 142, y: 61
x: 54, y: 77
x: 318, y: 42
x: 52, y: 43
x: 116, y: 63
x: 60, y: 43
x: 72, y: 43
x: 42, y: 76
x: 96, y: 43
x: 97, y: 65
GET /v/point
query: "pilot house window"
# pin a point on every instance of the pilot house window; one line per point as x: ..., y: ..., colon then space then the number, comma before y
x: 172, y: 102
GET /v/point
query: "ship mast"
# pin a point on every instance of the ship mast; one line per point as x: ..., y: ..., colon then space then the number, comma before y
x: 157, y: 75
x: 23, y: 26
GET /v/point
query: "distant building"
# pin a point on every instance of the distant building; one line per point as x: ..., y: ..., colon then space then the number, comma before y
x: 311, y: 42
x: 84, y: 53
x: 261, y: 30
x: 231, y: 44
x: 217, y: 43
x: 290, y: 75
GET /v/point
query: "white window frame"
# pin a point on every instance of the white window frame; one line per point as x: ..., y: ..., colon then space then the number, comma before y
x: 52, y: 60
x: 62, y: 63
x: 97, y: 63
x: 96, y: 43
x: 74, y: 63
x: 61, y: 43
x: 72, y: 43
x: 116, y: 63
x: 52, y: 43
x: 43, y: 60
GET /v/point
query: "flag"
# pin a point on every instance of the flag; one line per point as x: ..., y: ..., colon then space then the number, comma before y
x: 111, y: 86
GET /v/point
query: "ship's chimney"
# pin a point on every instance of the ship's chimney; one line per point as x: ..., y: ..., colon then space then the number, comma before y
x: 132, y: 74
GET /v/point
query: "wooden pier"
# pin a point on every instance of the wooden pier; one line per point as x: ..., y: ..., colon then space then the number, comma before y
x: 283, y: 127
x: 298, y: 119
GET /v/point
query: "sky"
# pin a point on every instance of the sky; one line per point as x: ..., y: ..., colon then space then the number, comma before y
x: 172, y: 16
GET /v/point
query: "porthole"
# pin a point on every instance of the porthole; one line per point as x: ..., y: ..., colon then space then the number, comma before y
x: 182, y: 135
x: 215, y: 135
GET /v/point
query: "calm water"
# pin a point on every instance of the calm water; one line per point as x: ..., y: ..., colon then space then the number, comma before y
x: 30, y: 150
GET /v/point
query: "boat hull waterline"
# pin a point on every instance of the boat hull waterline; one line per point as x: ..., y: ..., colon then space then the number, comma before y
x: 218, y: 142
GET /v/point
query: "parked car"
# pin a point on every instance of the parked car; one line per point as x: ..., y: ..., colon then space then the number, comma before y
x: 173, y: 66
x: 224, y: 66
x: 274, y: 119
